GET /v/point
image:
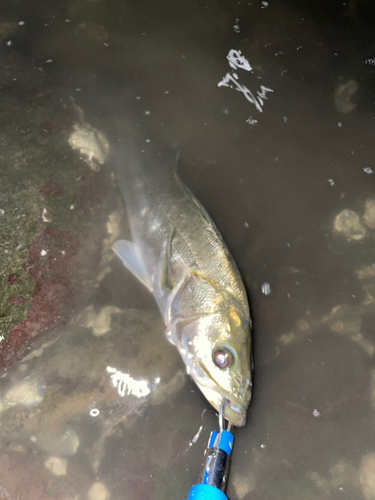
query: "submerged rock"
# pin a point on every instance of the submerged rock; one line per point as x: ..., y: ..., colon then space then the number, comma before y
x: 98, y: 491
x: 93, y: 388
x: 348, y: 223
x: 347, y: 320
x: 342, y: 474
x: 92, y: 145
x: 28, y: 392
x: 66, y: 445
x: 100, y: 322
x: 343, y: 93
x: 52, y: 224
x: 56, y: 465
x: 369, y: 215
x: 367, y: 476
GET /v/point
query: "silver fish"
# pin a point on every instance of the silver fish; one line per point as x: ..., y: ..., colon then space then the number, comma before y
x: 180, y: 256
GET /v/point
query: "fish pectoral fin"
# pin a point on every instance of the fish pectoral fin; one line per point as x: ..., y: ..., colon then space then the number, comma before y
x: 173, y: 294
x: 164, y: 263
x: 179, y: 307
x: 127, y: 252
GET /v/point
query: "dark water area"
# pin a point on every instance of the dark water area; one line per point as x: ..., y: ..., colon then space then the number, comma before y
x: 278, y: 147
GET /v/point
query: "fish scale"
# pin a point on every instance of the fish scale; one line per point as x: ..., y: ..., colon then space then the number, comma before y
x: 178, y: 251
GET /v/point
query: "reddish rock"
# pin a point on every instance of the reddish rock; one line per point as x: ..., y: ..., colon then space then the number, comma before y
x: 17, y: 300
x: 50, y: 188
x: 53, y: 266
x: 46, y: 272
x: 12, y: 278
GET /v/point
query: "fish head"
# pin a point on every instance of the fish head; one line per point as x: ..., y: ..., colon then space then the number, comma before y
x: 216, y: 351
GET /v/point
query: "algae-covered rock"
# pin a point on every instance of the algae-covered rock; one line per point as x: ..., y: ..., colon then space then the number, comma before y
x: 53, y: 211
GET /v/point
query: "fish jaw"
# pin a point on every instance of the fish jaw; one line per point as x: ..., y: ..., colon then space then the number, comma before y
x: 197, y: 343
x: 235, y: 409
x: 234, y: 413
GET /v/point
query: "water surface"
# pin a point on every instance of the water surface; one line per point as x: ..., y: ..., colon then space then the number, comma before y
x: 283, y: 162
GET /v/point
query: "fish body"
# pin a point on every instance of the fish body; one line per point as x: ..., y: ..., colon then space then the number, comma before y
x: 178, y: 253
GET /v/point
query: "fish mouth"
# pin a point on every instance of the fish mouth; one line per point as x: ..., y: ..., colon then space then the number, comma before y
x: 235, y: 410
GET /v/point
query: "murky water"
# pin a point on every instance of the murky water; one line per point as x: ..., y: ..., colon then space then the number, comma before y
x: 271, y: 107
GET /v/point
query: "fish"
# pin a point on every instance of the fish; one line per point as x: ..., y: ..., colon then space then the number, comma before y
x: 178, y: 253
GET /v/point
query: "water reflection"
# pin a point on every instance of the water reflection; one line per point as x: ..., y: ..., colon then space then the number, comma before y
x: 126, y: 385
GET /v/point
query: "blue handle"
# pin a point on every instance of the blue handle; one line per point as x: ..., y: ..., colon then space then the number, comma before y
x: 215, y: 468
x: 206, y: 492
x: 225, y: 442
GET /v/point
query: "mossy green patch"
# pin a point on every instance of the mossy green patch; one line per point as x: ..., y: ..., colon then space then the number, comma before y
x: 29, y: 157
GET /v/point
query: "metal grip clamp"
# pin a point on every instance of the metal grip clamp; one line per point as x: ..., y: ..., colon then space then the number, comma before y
x: 216, y: 464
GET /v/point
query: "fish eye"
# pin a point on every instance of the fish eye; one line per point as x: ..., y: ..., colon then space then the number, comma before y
x: 223, y: 357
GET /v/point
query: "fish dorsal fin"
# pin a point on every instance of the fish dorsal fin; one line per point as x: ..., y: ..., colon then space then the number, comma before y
x: 196, y: 202
x: 171, y: 155
x: 127, y: 251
